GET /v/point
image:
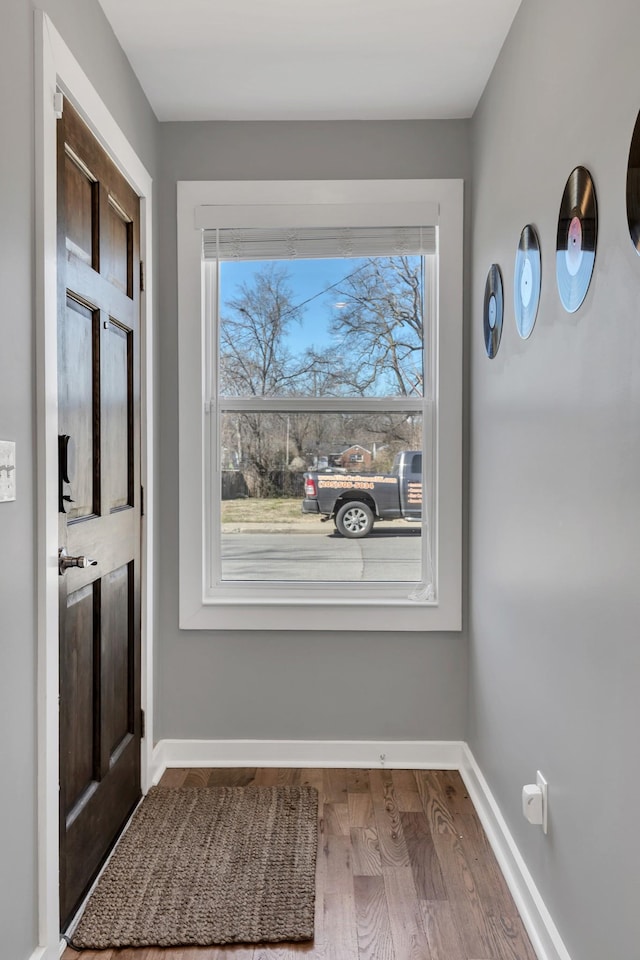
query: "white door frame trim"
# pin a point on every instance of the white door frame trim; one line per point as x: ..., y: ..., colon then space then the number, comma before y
x: 57, y: 69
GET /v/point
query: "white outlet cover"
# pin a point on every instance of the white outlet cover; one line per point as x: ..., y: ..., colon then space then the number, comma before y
x: 542, y: 783
x: 7, y: 470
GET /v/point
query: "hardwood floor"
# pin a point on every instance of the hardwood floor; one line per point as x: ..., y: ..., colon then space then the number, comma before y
x: 404, y: 872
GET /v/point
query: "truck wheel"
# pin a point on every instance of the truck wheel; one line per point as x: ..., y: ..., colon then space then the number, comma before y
x: 354, y: 519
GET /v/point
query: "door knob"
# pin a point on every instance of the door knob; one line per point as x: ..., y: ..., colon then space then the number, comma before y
x: 65, y: 561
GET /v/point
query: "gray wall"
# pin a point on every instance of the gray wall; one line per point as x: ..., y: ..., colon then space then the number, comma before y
x: 91, y: 39
x: 554, y: 452
x: 555, y: 461
x: 306, y: 684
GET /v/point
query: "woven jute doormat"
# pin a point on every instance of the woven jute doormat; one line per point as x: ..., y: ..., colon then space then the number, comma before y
x: 208, y: 865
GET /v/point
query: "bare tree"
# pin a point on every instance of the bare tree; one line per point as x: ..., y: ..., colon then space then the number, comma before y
x: 257, y: 361
x: 379, y: 328
x: 254, y: 326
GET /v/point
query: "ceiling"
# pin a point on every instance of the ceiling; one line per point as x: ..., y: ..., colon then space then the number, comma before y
x: 311, y: 59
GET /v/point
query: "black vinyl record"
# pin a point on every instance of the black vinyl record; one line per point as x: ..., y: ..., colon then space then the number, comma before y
x: 633, y: 187
x: 576, y: 240
x: 493, y: 310
x: 526, y: 281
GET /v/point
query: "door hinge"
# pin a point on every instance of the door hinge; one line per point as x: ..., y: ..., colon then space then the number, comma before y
x: 141, y: 501
x: 142, y: 276
x: 58, y: 104
x: 143, y: 725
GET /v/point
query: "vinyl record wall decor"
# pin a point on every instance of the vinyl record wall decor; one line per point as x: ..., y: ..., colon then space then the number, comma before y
x: 493, y: 310
x: 633, y: 187
x: 576, y: 239
x: 526, y: 281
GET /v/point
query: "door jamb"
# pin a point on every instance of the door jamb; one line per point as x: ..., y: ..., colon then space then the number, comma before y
x: 57, y: 70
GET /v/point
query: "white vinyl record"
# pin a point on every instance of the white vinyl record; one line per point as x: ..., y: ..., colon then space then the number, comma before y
x: 527, y: 281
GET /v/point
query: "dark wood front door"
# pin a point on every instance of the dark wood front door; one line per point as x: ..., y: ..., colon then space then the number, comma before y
x: 99, y: 491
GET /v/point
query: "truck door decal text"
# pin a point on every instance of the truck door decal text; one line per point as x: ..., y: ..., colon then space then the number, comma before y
x: 350, y: 482
x: 414, y: 492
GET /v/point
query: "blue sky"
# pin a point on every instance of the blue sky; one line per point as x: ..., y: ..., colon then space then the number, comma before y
x: 307, y: 278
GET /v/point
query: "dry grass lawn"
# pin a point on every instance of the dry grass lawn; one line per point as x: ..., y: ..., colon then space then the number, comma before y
x: 274, y: 510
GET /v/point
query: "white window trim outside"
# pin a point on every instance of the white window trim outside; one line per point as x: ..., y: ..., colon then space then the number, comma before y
x: 204, y: 204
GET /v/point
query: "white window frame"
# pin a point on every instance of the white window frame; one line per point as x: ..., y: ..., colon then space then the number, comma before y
x: 204, y: 204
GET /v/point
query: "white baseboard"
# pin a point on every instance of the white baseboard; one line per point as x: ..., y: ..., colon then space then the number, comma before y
x: 416, y: 754
x: 49, y: 953
x: 537, y: 920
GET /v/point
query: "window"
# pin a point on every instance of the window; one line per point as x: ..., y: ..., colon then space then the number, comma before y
x: 313, y: 358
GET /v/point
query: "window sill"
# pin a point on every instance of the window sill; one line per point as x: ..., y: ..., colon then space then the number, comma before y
x: 370, y: 614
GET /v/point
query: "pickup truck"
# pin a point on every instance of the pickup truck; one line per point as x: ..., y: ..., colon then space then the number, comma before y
x: 356, y: 500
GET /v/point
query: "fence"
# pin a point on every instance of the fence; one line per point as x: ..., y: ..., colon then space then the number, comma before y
x: 279, y: 483
x: 233, y: 485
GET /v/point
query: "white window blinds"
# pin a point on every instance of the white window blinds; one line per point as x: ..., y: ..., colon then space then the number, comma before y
x: 279, y: 243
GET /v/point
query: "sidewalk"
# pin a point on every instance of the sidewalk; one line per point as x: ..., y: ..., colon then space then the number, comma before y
x: 303, y: 525
x: 311, y: 525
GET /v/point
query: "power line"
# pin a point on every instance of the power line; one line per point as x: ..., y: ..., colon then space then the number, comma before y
x: 326, y: 290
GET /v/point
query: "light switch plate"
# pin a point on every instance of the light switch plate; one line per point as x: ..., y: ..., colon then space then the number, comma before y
x: 7, y: 470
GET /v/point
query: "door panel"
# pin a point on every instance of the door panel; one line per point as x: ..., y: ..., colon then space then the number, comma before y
x: 118, y: 247
x: 82, y: 196
x: 98, y: 398
x: 117, y: 415
x: 118, y: 659
x: 77, y: 669
x: 78, y: 393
